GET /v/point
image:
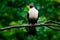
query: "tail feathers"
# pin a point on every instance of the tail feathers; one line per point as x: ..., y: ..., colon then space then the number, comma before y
x: 32, y: 31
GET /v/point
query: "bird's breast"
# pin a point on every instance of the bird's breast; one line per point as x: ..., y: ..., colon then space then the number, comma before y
x: 33, y: 14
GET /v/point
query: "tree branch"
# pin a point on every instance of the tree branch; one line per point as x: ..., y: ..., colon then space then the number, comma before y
x: 56, y: 22
x: 53, y: 28
x: 27, y: 25
x: 50, y: 21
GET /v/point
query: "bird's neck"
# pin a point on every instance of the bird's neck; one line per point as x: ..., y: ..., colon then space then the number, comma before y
x: 32, y: 7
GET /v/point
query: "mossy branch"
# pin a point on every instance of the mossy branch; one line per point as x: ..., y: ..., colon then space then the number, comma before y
x: 27, y: 25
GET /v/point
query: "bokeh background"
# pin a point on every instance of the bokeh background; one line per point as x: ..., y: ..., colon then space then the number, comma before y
x: 14, y: 12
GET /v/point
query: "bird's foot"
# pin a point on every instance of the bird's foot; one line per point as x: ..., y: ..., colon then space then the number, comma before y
x: 30, y: 24
x: 35, y: 24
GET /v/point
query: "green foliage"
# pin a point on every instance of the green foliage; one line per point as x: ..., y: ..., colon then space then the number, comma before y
x: 14, y: 12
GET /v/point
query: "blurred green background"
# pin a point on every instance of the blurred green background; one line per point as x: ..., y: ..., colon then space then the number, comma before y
x: 14, y: 12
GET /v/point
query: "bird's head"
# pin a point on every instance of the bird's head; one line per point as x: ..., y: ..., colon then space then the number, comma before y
x: 30, y: 5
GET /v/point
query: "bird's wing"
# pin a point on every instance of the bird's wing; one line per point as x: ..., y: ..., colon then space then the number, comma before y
x: 38, y: 15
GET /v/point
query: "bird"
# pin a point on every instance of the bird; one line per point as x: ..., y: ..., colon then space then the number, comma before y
x: 32, y: 16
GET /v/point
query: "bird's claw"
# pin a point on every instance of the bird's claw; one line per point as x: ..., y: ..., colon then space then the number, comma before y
x: 35, y: 24
x: 30, y: 24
